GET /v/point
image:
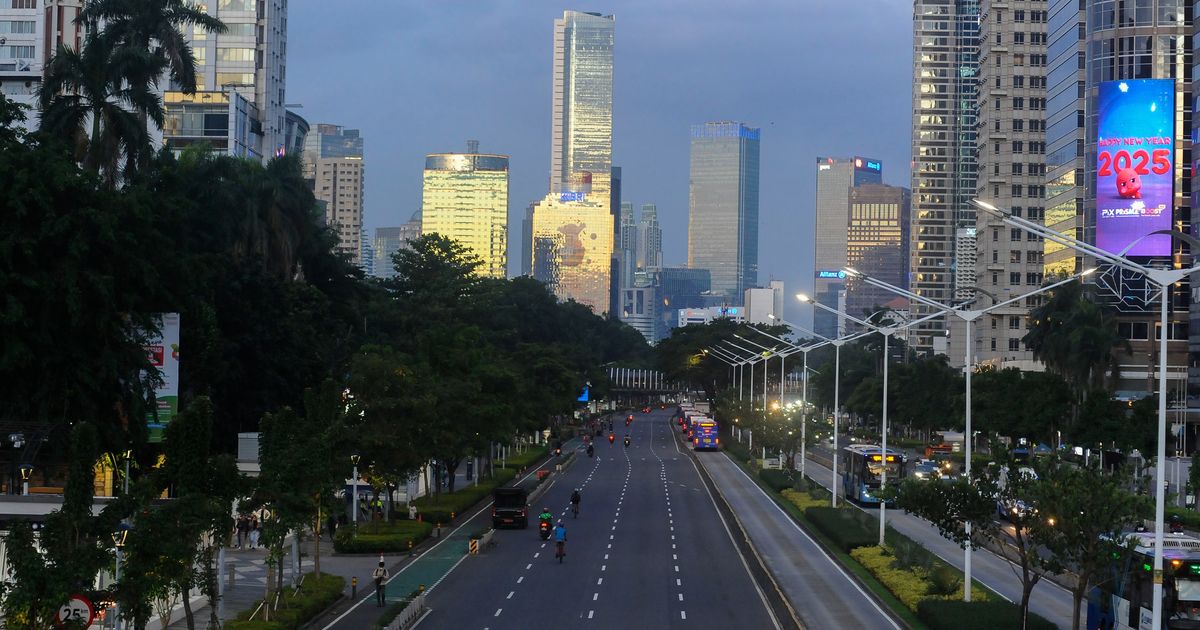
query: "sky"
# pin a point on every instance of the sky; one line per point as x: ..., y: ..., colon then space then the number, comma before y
x: 819, y: 77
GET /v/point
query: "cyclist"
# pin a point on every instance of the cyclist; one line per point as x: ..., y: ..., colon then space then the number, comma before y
x: 560, y: 541
x: 575, y: 502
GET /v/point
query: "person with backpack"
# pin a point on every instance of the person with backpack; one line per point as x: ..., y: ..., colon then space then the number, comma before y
x: 380, y: 575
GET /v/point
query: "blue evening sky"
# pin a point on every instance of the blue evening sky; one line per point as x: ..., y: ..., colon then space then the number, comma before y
x: 820, y: 77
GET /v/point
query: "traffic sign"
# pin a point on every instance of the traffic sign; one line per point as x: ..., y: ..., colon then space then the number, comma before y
x: 77, y: 610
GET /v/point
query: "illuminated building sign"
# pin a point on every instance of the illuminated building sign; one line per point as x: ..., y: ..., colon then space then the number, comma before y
x: 571, y: 196
x: 1135, y: 168
x: 830, y: 274
x: 867, y: 164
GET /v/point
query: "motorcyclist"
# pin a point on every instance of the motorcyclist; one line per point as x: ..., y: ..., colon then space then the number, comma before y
x: 612, y: 437
x: 590, y: 450
x: 560, y: 541
x: 575, y: 497
x: 546, y: 516
x: 626, y: 440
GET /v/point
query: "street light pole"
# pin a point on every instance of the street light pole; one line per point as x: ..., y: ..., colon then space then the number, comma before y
x: 354, y: 484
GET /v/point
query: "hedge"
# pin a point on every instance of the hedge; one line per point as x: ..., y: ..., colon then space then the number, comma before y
x: 940, y: 614
x: 1189, y: 518
x: 381, y: 537
x: 439, y: 508
x: 778, y: 480
x: 805, y: 500
x: 912, y: 585
x: 296, y: 607
x: 528, y: 458
x: 736, y: 449
x: 842, y: 527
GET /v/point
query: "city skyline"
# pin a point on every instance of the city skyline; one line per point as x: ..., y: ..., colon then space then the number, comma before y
x: 704, y: 80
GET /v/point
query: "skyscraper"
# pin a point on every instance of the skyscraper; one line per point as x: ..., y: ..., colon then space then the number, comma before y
x: 465, y: 197
x: 333, y: 161
x: 723, y: 205
x: 1064, y: 129
x: 649, y: 234
x: 32, y: 32
x: 389, y: 240
x: 945, y: 68
x: 835, y: 178
x: 249, y: 59
x: 1012, y: 144
x: 573, y: 227
x: 877, y: 242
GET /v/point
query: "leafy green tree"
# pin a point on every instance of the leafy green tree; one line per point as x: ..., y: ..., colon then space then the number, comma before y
x: 90, y: 86
x: 1085, y: 514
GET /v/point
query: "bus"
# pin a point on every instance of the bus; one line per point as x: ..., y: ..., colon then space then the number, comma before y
x: 705, y: 436
x: 862, y: 465
x: 1123, y: 599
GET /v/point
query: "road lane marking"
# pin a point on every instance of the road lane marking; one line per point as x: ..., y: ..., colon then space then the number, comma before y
x: 599, y: 581
x: 603, y: 567
x: 678, y: 582
x: 677, y: 568
x: 537, y: 553
x: 498, y: 611
x: 595, y: 596
x: 682, y: 615
x: 528, y: 566
x: 510, y: 594
x: 520, y: 579
x: 606, y: 556
x: 590, y: 613
x: 681, y: 597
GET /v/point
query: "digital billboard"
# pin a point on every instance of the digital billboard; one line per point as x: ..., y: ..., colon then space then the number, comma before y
x: 1135, y: 165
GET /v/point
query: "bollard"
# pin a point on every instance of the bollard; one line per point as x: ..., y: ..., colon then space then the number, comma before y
x: 420, y: 588
x: 452, y: 516
x: 410, y: 546
x: 354, y: 587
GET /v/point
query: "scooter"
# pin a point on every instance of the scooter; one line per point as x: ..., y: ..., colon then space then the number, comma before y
x: 611, y: 438
x: 626, y: 440
x: 544, y: 529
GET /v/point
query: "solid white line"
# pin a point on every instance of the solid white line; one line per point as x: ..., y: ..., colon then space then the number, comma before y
x: 395, y: 575
x: 813, y: 542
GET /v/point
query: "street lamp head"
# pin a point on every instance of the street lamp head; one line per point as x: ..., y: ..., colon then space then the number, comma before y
x: 987, y: 206
x: 852, y: 271
x: 803, y: 298
x: 119, y: 536
x: 354, y: 458
x: 1087, y: 272
x: 26, y: 471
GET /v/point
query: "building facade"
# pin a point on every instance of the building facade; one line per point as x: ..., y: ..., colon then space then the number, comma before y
x: 333, y: 162
x: 642, y: 310
x: 945, y: 68
x: 877, y: 241
x: 389, y: 240
x: 835, y: 178
x: 649, y: 238
x: 465, y: 197
x: 1065, y: 86
x: 222, y: 121
x: 764, y: 304
x: 573, y: 227
x: 1013, y: 61
x: 31, y: 32
x: 723, y: 204
x: 689, y: 316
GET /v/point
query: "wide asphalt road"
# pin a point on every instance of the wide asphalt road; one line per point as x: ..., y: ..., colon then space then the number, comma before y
x: 1047, y: 599
x: 819, y: 590
x: 648, y: 550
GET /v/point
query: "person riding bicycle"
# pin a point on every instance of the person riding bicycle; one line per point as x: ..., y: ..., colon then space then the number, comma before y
x: 560, y: 541
x: 575, y: 501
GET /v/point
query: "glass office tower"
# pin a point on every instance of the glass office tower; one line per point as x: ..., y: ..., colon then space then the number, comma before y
x: 723, y: 205
x: 465, y: 197
x: 835, y: 178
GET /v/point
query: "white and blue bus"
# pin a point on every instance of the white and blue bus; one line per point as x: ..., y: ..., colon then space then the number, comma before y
x: 862, y: 467
x: 1123, y: 600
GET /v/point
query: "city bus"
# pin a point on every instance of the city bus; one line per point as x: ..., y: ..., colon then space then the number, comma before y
x: 705, y: 436
x: 1123, y: 598
x: 862, y: 465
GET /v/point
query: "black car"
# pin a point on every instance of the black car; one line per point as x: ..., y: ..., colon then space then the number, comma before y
x: 510, y: 508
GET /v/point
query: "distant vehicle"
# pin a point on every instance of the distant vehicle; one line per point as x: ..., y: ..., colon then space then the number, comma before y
x: 510, y: 508
x: 862, y: 470
x: 1124, y: 600
x: 943, y: 443
x: 926, y: 469
x: 705, y: 438
x: 1007, y: 510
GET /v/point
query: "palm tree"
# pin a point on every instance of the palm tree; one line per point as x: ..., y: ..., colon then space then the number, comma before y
x: 280, y: 214
x: 89, y: 87
x: 156, y: 26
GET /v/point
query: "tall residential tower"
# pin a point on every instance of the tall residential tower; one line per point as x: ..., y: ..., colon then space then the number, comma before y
x: 333, y: 161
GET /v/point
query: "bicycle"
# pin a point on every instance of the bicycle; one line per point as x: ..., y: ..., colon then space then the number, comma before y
x: 575, y: 509
x: 560, y: 550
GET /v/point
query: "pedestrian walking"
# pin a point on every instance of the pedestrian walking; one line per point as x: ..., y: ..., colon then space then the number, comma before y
x: 380, y: 575
x: 331, y: 526
x: 243, y: 531
x: 255, y: 532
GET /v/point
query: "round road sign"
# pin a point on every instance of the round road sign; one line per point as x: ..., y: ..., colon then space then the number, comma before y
x: 77, y: 610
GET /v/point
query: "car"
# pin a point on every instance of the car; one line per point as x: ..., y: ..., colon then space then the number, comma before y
x: 510, y: 508
x: 926, y: 469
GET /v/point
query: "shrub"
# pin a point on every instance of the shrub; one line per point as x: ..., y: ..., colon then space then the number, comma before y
x: 1189, y: 518
x: 296, y: 607
x: 945, y: 580
x: 841, y: 526
x: 528, y: 458
x: 735, y: 448
x: 908, y: 555
x: 940, y: 614
x: 381, y: 537
x: 438, y: 508
x: 778, y: 480
x: 912, y: 586
x: 804, y: 500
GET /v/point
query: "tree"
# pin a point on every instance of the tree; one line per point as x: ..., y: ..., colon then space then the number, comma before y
x: 91, y: 86
x: 1004, y: 485
x: 1085, y: 514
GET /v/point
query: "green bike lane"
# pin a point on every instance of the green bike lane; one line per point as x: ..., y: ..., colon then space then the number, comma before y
x: 424, y: 569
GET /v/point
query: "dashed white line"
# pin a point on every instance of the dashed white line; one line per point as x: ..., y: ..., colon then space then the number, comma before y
x: 599, y: 581
x: 510, y: 594
x: 590, y: 613
x: 603, y: 567
x: 520, y: 579
x: 677, y: 568
x: 682, y: 615
x: 528, y: 566
x: 681, y: 597
x: 595, y: 596
x: 678, y: 582
x: 536, y: 554
x: 498, y: 611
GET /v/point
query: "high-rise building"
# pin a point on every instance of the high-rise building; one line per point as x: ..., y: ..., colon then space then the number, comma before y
x: 877, y: 241
x: 723, y: 205
x: 32, y: 32
x: 527, y: 241
x: 573, y: 228
x: 1130, y: 43
x: 389, y: 240
x: 465, y: 197
x: 625, y: 247
x: 1011, y: 164
x: 945, y: 69
x: 642, y: 310
x: 1064, y: 130
x: 764, y: 304
x: 333, y: 160
x: 835, y: 178
x: 249, y: 59
x: 649, y: 235
x: 367, y: 255
x: 295, y: 134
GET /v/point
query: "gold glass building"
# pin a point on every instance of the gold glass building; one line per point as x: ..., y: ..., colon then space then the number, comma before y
x: 465, y: 197
x: 572, y: 247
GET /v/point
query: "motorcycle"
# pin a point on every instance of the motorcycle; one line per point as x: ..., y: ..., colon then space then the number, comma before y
x: 611, y: 438
x: 626, y: 440
x: 544, y: 529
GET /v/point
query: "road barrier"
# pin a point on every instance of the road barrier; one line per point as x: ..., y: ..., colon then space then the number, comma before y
x: 473, y: 546
x: 410, y: 615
